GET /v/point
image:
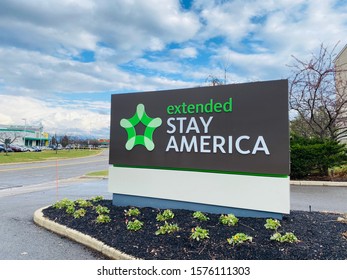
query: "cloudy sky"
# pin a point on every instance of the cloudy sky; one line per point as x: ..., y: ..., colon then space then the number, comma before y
x: 60, y: 60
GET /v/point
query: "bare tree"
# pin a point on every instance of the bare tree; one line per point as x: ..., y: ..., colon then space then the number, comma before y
x: 318, y: 93
x: 7, y: 139
x: 214, y: 81
x: 224, y: 64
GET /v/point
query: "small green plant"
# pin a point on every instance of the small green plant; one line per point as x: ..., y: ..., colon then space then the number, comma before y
x: 199, y: 233
x: 101, y: 219
x: 97, y: 198
x: 200, y: 216
x: 70, y: 210
x: 166, y: 215
x: 132, y: 212
x: 64, y: 203
x: 239, y: 238
x: 287, y: 237
x: 167, y: 228
x: 272, y: 224
x: 102, y: 210
x: 134, y: 225
x: 229, y: 220
x: 83, y: 203
x: 79, y: 213
x: 276, y: 236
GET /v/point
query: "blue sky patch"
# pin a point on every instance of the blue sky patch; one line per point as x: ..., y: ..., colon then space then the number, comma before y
x: 85, y: 56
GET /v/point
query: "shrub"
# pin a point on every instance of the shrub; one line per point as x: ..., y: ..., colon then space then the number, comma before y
x: 97, y: 198
x: 199, y: 233
x: 340, y: 171
x: 79, y: 213
x: 166, y: 215
x: 134, y: 225
x: 272, y: 224
x: 167, y: 228
x: 83, y: 203
x: 64, y: 203
x: 287, y: 237
x: 132, y: 212
x: 276, y: 236
x: 101, y: 219
x: 314, y: 155
x: 200, y: 216
x: 239, y: 238
x: 102, y: 210
x: 229, y: 220
x: 70, y: 209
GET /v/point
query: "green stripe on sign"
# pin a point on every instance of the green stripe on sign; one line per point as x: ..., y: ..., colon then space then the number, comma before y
x: 205, y: 171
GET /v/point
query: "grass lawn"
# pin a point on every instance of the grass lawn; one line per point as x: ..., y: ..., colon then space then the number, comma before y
x: 44, y: 155
x: 102, y: 173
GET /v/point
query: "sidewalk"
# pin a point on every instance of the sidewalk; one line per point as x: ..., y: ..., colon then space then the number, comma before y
x: 319, y: 183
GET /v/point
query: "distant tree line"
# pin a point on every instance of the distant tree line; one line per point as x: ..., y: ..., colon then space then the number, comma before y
x: 73, y: 141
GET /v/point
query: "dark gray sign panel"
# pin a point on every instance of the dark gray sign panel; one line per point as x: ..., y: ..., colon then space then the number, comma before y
x: 232, y: 128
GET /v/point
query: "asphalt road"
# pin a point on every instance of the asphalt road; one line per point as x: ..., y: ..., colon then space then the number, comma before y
x: 21, y: 239
x: 318, y: 198
x: 26, y: 187
x: 29, y: 174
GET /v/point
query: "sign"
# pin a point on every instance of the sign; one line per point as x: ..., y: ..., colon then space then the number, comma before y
x: 239, y: 129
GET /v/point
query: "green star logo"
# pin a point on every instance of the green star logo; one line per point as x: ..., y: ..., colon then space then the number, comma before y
x: 151, y: 125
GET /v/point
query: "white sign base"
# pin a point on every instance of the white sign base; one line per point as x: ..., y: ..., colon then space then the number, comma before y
x: 260, y: 193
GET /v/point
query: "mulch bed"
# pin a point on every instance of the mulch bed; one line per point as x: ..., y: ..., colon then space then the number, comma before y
x: 320, y: 234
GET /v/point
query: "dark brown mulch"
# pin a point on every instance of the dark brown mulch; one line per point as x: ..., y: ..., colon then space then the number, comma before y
x: 320, y: 236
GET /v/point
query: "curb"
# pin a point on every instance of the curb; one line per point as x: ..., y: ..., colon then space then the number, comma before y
x: 47, y: 160
x: 319, y: 183
x: 79, y: 237
x: 93, y: 177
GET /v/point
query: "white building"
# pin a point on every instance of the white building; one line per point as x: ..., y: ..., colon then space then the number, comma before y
x: 24, y: 135
x: 341, y: 88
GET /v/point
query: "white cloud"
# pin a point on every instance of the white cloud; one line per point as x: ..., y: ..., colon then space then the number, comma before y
x: 146, y: 45
x: 55, y: 118
x: 161, y: 65
x: 4, y: 118
x: 125, y: 26
x: 188, y: 52
x: 296, y: 26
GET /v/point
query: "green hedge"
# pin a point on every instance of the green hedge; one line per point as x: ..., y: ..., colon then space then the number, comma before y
x: 315, y: 156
